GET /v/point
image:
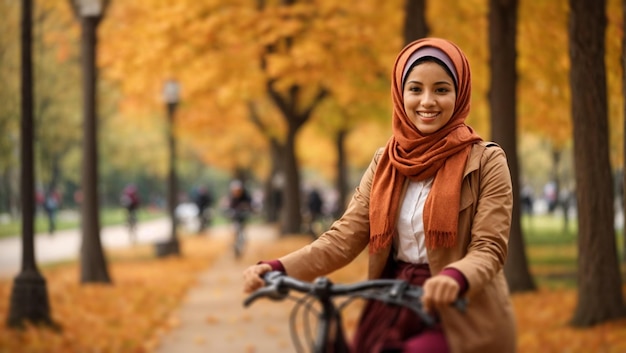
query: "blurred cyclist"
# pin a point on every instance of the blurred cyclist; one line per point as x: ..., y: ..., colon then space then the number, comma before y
x: 130, y: 201
x: 239, y: 209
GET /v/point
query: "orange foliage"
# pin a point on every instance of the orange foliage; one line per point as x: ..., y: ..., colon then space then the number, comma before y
x: 543, y: 325
x: 214, y: 49
x: 127, y: 316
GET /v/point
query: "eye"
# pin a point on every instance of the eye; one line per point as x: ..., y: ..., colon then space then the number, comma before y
x: 414, y: 88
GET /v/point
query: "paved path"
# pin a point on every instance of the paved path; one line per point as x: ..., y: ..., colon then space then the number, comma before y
x: 213, y: 319
x: 65, y: 244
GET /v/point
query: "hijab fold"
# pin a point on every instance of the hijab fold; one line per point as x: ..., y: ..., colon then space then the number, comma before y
x: 416, y: 156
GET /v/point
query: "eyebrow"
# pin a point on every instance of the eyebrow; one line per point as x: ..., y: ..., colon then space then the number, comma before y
x: 436, y: 83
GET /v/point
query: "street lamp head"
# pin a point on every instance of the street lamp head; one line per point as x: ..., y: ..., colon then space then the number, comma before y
x: 89, y: 8
x: 171, y: 92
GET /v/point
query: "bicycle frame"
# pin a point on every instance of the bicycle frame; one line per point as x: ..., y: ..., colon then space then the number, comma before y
x: 328, y: 317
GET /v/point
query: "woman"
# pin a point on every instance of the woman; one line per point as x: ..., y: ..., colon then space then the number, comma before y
x: 434, y: 207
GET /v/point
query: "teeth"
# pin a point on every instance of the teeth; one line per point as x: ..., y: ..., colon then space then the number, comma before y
x: 427, y: 115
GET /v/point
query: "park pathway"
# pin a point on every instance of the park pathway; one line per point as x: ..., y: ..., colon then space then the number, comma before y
x: 211, y: 317
x: 64, y: 245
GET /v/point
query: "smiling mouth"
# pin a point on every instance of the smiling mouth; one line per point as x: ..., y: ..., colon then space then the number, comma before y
x: 427, y: 115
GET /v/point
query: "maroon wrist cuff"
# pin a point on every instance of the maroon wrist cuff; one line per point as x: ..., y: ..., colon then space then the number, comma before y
x: 276, y: 265
x: 458, y: 277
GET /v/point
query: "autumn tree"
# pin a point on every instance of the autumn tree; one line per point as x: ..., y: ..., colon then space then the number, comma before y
x: 347, y: 45
x: 364, y: 100
x: 599, y: 284
x: 282, y: 58
x: 502, y: 100
x: 414, y: 27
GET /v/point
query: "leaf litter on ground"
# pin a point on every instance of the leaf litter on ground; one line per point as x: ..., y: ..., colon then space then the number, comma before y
x: 132, y: 313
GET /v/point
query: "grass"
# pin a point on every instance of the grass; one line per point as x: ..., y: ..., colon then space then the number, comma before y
x: 70, y: 219
x: 552, y: 250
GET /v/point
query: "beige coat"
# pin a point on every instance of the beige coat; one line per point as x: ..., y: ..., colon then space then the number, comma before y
x: 484, y: 223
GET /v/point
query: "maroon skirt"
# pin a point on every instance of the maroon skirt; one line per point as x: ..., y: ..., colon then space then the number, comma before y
x: 388, y: 328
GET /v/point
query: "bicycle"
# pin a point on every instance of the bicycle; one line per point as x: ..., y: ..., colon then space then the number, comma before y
x: 324, y: 292
x: 239, y: 218
x: 205, y: 218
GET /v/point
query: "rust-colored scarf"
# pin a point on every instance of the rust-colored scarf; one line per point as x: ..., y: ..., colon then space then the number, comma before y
x: 411, y: 154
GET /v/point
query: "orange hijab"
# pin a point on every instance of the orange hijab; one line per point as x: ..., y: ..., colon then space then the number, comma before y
x: 411, y: 154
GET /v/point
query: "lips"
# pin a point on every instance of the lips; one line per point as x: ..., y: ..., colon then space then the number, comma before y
x: 428, y: 115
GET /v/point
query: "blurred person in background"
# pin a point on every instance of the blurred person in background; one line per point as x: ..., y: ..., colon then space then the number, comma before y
x: 314, y: 210
x: 204, y: 200
x: 130, y: 201
x: 239, y: 209
x: 51, y: 204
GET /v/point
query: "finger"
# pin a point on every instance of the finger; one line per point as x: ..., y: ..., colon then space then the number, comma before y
x: 253, y: 283
x: 252, y: 277
x: 447, y: 291
x: 427, y: 298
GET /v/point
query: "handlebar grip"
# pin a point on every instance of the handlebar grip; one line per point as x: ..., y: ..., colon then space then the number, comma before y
x: 272, y: 289
x: 252, y: 297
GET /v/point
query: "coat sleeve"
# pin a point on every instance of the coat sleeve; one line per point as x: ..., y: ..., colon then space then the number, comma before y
x: 343, y: 242
x: 488, y: 247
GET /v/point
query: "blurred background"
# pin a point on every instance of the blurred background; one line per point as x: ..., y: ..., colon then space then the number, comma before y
x: 252, y: 108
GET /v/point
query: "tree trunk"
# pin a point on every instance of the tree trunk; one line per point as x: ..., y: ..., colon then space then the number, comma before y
x: 274, y: 184
x: 288, y: 101
x: 93, y: 266
x: 502, y: 39
x: 415, y: 26
x: 623, y: 181
x: 292, y: 218
x: 599, y: 284
x: 342, y: 173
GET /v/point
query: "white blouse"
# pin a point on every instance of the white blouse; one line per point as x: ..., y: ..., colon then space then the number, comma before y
x: 409, y: 241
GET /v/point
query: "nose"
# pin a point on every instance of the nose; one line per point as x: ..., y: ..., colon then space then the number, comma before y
x: 428, y: 99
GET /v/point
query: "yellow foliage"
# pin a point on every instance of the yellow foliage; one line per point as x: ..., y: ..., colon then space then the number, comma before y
x: 127, y: 316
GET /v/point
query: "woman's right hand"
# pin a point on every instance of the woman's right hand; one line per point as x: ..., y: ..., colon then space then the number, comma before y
x: 253, y: 277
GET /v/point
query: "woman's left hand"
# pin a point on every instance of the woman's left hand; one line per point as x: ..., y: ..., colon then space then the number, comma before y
x: 439, y: 291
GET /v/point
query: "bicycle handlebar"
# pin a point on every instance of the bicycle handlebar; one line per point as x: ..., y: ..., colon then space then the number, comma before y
x: 397, y: 292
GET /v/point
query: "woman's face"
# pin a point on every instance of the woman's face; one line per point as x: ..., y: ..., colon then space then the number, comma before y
x: 429, y: 97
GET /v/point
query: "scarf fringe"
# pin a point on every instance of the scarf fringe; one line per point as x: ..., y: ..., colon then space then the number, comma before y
x: 436, y: 239
x: 379, y: 241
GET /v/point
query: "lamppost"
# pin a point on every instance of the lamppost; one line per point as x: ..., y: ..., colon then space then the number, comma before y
x: 29, y: 296
x: 171, y: 97
x: 93, y: 265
